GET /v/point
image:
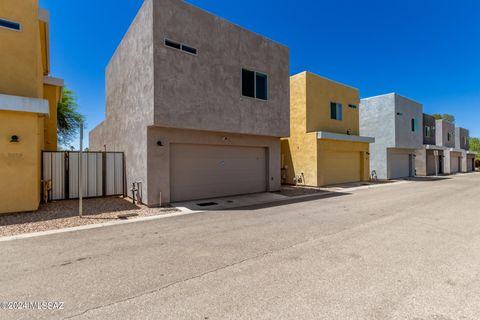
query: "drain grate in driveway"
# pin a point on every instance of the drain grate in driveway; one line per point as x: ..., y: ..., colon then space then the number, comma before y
x: 207, y: 204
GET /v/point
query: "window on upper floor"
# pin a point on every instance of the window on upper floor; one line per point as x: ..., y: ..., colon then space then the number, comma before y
x: 449, y: 136
x: 10, y: 25
x: 427, y: 131
x: 414, y: 125
x: 254, y: 84
x: 181, y: 47
x: 353, y: 106
x: 189, y: 49
x: 336, y: 111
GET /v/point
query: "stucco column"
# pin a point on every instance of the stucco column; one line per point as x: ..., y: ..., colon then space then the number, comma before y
x: 447, y: 162
x: 463, y: 162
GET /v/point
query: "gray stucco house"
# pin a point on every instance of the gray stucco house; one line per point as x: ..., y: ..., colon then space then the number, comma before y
x: 429, y: 159
x: 445, y: 149
x: 396, y: 123
x: 197, y: 104
x: 462, y: 137
x: 454, y: 159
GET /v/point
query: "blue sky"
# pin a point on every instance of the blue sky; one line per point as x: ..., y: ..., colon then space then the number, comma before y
x: 427, y: 50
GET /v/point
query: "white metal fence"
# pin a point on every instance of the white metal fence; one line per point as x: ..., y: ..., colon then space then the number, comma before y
x: 103, y: 174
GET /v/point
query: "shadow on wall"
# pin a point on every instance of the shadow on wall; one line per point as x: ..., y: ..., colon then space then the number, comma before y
x: 69, y: 208
x: 287, y: 173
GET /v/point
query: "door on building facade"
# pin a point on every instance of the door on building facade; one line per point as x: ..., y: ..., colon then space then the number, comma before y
x: 208, y: 171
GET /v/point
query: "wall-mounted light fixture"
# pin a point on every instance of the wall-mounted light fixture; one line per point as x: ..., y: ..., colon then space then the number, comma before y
x: 14, y: 139
x: 159, y: 143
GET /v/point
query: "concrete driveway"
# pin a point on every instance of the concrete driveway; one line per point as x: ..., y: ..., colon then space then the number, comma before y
x: 403, y: 251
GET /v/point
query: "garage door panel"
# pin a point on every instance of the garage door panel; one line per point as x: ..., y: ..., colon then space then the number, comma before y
x: 455, y: 163
x: 206, y: 171
x: 399, y: 165
x: 341, y: 167
x: 431, y: 166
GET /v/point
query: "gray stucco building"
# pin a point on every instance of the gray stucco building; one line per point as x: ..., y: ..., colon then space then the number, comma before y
x: 445, y: 149
x: 454, y: 159
x: 462, y: 137
x: 396, y: 123
x: 197, y: 104
x: 429, y: 160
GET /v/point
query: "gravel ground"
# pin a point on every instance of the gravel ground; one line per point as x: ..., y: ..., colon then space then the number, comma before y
x: 64, y: 214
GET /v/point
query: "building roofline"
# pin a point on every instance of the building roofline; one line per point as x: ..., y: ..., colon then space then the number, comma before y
x: 443, y: 120
x: 378, y: 96
x: 325, y: 78
x: 395, y: 95
x: 235, y: 24
x: 57, y: 82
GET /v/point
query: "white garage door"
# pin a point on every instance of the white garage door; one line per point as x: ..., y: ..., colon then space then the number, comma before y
x: 455, y: 163
x: 207, y: 171
x: 432, y: 167
x: 399, y: 165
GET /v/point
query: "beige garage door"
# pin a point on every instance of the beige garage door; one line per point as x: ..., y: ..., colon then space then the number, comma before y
x: 207, y: 171
x: 342, y: 167
x: 399, y: 165
x: 454, y: 163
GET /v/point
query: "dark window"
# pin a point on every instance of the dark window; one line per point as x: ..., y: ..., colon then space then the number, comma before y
x: 10, y: 24
x: 172, y: 44
x: 261, y: 86
x: 189, y: 49
x: 352, y: 106
x: 335, y: 111
x: 248, y: 83
x: 254, y: 84
x: 448, y: 136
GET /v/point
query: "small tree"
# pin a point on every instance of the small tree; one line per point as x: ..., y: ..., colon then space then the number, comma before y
x: 445, y: 116
x: 69, y: 119
x: 474, y: 145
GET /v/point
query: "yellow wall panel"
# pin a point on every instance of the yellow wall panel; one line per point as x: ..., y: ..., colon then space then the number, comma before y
x: 20, y: 162
x: 21, y: 65
x: 320, y: 93
x: 321, y: 162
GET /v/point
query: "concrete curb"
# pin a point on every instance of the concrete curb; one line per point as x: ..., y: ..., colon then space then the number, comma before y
x: 184, y: 212
x: 89, y: 226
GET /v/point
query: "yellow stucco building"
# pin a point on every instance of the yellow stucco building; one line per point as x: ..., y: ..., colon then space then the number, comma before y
x: 28, y: 103
x: 324, y: 146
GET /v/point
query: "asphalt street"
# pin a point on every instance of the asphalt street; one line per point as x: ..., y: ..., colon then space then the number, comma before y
x: 400, y: 251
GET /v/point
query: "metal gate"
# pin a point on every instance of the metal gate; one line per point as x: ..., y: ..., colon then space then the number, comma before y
x: 103, y: 174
